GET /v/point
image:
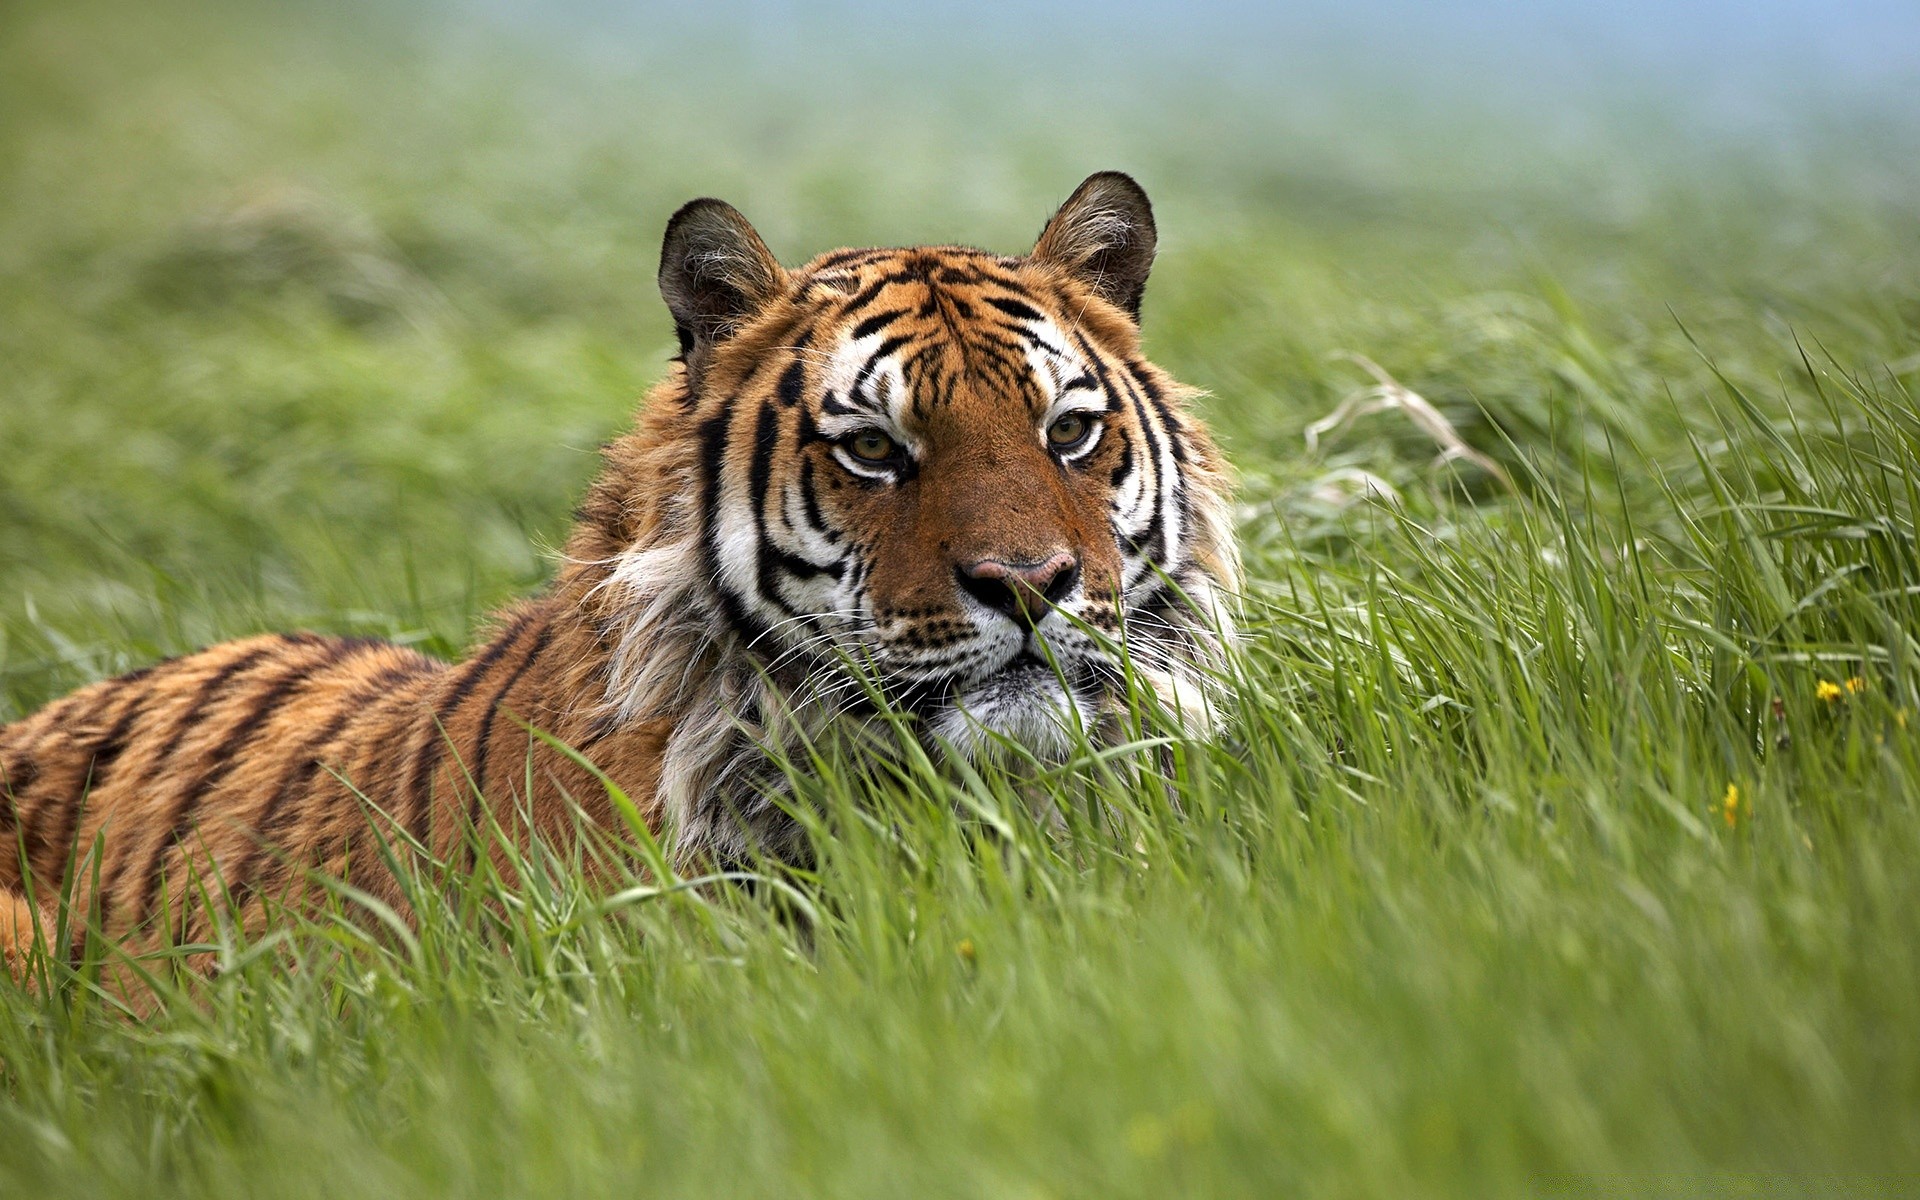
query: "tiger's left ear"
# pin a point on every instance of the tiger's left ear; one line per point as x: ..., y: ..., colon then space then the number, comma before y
x: 1104, y: 237
x: 715, y: 273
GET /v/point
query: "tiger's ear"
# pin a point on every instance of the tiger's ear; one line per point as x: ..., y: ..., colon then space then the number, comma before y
x: 1104, y: 237
x: 715, y: 273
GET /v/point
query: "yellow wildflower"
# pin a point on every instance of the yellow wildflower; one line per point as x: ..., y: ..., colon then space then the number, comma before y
x: 1730, y: 806
x: 965, y: 949
x: 1856, y: 684
x: 1827, y: 690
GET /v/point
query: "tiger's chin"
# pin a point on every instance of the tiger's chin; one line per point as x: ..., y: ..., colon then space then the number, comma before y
x: 1024, y: 707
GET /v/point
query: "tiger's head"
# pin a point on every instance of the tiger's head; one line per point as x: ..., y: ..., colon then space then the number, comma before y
x: 950, y: 470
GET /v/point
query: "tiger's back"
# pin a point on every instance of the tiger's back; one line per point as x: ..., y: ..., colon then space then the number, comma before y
x: 228, y: 774
x: 209, y: 757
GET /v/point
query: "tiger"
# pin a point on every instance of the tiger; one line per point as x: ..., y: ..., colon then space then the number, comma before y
x: 936, y: 478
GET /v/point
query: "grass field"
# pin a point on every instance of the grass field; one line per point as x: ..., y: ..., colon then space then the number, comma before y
x: 1564, y: 838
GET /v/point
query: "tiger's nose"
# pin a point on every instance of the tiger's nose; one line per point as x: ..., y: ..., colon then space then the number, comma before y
x: 1023, y: 591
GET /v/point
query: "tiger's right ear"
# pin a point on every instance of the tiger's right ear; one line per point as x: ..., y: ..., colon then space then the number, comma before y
x: 1104, y: 237
x: 715, y: 273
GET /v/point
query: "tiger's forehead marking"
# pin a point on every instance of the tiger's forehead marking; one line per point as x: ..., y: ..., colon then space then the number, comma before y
x: 911, y: 344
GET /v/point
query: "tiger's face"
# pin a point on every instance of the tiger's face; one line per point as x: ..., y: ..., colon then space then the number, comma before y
x: 951, y: 472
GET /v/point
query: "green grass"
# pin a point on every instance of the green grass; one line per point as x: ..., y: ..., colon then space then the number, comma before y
x: 304, y: 326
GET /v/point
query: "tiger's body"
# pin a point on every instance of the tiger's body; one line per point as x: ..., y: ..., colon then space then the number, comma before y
x: 947, y: 471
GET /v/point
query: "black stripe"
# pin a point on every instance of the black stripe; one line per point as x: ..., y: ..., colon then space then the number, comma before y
x: 19, y: 777
x: 713, y: 447
x: 865, y: 296
x: 793, y: 382
x: 713, y: 453
x: 240, y: 880
x: 1125, y: 466
x: 810, y: 503
x: 1169, y: 486
x: 56, y: 847
x: 946, y: 304
x: 1155, y: 524
x: 347, y: 647
x: 840, y: 258
x: 1155, y: 531
x: 807, y: 430
x: 486, y: 737
x: 1005, y: 343
x: 103, y: 754
x: 805, y: 568
x: 766, y: 439
x: 265, y: 706
x: 1137, y: 374
x: 108, y: 749
x: 1036, y: 340
x: 186, y: 807
x: 873, y: 362
x: 964, y: 276
x: 875, y: 324
x: 999, y: 269
x: 929, y: 383
x: 419, y: 791
x: 1014, y: 308
x: 493, y: 705
x: 15, y: 782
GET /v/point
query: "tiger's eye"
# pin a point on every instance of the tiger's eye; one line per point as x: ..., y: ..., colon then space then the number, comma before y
x: 871, y: 445
x: 1068, y: 430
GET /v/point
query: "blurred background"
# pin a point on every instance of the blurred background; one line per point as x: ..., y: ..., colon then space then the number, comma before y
x: 313, y: 313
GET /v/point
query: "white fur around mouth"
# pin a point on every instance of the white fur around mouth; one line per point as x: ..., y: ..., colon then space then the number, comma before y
x: 1024, y: 703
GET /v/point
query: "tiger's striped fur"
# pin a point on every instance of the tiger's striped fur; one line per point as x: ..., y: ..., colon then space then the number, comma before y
x: 747, y: 553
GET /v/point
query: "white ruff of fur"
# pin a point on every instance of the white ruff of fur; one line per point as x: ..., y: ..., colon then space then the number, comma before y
x: 669, y: 662
x: 1187, y: 678
x: 1193, y: 684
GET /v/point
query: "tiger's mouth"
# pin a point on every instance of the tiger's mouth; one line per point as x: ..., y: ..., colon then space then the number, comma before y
x: 1042, y: 697
x: 1023, y: 672
x: 1029, y: 702
x: 1023, y: 675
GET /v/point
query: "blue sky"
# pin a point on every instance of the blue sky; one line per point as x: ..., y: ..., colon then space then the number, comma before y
x: 1744, y: 52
